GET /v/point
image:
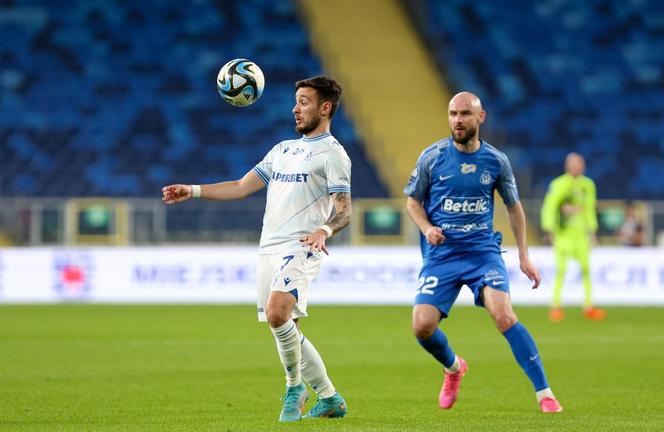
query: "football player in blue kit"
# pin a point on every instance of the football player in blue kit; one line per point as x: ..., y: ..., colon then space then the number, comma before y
x: 450, y: 198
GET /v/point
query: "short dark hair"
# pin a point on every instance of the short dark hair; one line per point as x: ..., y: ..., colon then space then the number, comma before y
x: 327, y: 88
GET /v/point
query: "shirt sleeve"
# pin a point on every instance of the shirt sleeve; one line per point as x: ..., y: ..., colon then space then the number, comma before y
x: 550, y: 208
x: 591, y: 207
x: 418, y: 184
x: 337, y: 171
x: 506, y: 184
x: 264, y: 167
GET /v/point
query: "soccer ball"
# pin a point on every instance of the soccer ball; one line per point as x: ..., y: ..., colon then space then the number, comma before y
x: 240, y: 82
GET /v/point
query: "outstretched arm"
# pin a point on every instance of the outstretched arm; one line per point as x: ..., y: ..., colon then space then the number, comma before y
x: 518, y: 224
x: 433, y: 234
x: 341, y: 218
x: 229, y: 190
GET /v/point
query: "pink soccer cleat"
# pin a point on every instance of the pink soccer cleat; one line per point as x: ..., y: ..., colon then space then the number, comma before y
x: 550, y: 405
x: 450, y: 390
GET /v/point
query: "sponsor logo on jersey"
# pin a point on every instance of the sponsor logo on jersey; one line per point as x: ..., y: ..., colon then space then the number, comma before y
x: 464, y: 227
x: 465, y: 205
x: 290, y: 178
x: 468, y: 168
x: 485, y: 177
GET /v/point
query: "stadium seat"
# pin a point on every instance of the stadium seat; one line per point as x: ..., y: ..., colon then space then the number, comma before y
x: 557, y: 77
x: 121, y: 98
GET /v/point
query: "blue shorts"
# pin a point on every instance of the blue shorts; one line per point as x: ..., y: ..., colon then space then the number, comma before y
x: 440, y: 282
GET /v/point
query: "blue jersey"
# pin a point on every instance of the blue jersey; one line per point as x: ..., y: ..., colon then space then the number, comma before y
x: 456, y: 190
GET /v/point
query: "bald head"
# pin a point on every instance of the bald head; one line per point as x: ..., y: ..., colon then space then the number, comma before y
x: 575, y: 164
x: 466, y: 99
x: 465, y: 117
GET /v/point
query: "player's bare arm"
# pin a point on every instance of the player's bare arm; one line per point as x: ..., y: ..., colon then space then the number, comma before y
x: 343, y: 211
x: 433, y: 234
x: 517, y: 220
x: 229, y: 190
x: 341, y: 218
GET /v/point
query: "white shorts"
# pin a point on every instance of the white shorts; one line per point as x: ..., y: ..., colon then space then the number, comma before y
x: 287, y: 272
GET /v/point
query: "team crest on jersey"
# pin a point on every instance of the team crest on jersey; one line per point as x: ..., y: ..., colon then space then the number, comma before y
x: 485, y: 177
x: 309, y: 156
x: 468, y: 168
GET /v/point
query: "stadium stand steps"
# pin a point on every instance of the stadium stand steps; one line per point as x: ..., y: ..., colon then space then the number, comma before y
x: 395, y: 93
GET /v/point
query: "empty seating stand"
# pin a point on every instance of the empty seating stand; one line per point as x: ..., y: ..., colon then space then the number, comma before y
x: 561, y: 76
x: 106, y: 98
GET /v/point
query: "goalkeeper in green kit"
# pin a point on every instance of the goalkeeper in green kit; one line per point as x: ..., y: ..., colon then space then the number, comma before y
x: 569, y: 220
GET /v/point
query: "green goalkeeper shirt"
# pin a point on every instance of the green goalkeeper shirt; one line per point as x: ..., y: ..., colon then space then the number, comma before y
x: 576, y: 191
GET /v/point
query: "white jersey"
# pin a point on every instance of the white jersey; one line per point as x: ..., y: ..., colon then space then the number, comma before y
x: 300, y: 176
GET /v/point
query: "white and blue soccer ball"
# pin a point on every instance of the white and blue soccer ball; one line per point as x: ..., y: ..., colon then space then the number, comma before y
x: 240, y: 82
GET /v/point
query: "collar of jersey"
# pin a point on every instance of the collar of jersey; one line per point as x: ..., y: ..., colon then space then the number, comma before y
x: 321, y: 136
x: 451, y: 144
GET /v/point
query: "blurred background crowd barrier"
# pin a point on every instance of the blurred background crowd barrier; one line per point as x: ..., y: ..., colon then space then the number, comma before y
x: 378, y: 221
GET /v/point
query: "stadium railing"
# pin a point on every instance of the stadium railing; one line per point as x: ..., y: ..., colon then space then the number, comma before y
x: 116, y: 222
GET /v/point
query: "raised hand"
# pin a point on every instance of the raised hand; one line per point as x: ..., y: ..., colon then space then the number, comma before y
x: 172, y: 194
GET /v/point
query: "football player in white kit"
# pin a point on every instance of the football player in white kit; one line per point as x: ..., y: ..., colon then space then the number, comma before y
x: 306, y: 178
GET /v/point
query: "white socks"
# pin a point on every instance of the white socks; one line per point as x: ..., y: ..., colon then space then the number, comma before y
x: 313, y: 370
x: 290, y: 352
x: 455, y: 366
x: 301, y: 360
x: 544, y: 393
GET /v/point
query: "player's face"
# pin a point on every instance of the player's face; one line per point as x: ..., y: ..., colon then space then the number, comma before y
x: 306, y: 110
x: 575, y: 165
x: 465, y: 120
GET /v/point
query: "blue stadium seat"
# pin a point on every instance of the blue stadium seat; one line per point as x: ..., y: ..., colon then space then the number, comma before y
x: 559, y: 77
x: 121, y: 97
x: 106, y: 98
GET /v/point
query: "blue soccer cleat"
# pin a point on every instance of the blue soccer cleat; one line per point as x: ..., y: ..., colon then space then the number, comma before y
x: 294, y: 401
x: 331, y: 407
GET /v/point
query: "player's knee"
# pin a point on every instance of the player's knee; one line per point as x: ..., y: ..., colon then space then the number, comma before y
x: 423, y: 329
x: 276, y: 317
x: 505, y: 321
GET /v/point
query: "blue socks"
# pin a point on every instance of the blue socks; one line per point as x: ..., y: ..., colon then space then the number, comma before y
x: 439, y: 348
x: 522, y: 344
x: 526, y: 354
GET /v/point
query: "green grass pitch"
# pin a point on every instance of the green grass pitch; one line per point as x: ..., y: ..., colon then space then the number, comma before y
x: 205, y: 368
